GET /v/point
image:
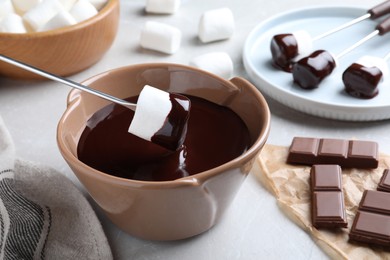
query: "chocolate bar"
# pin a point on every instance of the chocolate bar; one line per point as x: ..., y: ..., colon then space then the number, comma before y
x: 384, y: 183
x: 346, y: 153
x: 372, y: 221
x: 328, y: 210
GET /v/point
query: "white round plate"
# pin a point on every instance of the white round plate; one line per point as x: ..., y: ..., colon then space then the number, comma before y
x: 329, y: 100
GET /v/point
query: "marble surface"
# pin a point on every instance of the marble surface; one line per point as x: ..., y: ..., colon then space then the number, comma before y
x: 254, y: 227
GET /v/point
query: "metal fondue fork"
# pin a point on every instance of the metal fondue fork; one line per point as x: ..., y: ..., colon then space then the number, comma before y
x: 68, y: 82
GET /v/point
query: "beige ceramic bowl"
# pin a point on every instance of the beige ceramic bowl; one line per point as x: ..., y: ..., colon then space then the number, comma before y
x: 166, y: 210
x: 63, y: 51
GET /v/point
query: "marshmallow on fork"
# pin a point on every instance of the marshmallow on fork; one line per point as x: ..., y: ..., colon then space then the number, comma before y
x: 308, y: 72
x: 215, y: 25
x: 160, y: 37
x: 362, y: 77
x: 218, y: 63
x: 12, y: 23
x: 162, y: 6
x: 286, y: 47
x: 161, y: 117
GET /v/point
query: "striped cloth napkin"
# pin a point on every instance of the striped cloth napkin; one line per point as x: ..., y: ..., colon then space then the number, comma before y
x: 42, y: 213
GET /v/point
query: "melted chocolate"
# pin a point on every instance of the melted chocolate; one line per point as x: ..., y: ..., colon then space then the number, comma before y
x: 284, y: 49
x: 215, y: 135
x: 173, y: 133
x: 361, y: 81
x: 308, y: 72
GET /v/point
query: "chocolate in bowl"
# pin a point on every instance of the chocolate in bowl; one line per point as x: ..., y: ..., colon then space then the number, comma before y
x: 215, y: 135
x: 175, y: 209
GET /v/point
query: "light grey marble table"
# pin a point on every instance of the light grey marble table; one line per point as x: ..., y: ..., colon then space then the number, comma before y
x: 254, y: 227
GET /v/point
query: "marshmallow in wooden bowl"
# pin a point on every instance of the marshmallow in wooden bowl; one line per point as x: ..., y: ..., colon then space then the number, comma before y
x: 22, y: 6
x: 218, y: 63
x: 160, y: 37
x: 61, y: 19
x: 162, y: 6
x: 12, y: 23
x: 83, y: 10
x: 6, y: 8
x: 44, y: 15
x: 215, y: 25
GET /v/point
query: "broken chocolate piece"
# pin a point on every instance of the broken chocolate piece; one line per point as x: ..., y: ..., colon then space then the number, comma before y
x: 353, y: 153
x: 328, y: 210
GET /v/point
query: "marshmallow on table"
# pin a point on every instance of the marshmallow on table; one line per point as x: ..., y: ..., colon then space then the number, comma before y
x: 83, y: 10
x: 62, y: 19
x: 6, y: 8
x: 162, y: 6
x: 218, y: 63
x: 151, y: 113
x: 160, y: 37
x: 12, y: 23
x: 23, y: 6
x: 215, y: 25
x: 40, y: 14
x: 98, y: 4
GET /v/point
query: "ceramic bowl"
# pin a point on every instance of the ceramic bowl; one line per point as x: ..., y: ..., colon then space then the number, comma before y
x: 166, y: 210
x: 63, y: 51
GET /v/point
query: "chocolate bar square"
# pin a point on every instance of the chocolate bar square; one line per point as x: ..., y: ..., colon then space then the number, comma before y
x: 328, y: 209
x: 371, y: 228
x: 375, y: 201
x: 325, y: 177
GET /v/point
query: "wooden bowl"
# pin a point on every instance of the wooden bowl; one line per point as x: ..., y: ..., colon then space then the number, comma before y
x: 63, y: 51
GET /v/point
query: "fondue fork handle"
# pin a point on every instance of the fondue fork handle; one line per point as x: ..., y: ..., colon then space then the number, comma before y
x: 68, y: 82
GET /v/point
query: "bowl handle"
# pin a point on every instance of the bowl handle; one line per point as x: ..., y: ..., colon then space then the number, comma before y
x: 73, y: 96
x: 240, y: 82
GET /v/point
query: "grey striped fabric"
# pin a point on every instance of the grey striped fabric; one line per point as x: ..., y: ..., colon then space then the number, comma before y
x: 25, y: 225
x: 43, y: 215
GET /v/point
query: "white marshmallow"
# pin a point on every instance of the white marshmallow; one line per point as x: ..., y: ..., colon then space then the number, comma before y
x: 67, y: 4
x: 371, y: 61
x: 218, y: 63
x: 39, y: 15
x: 12, y: 23
x: 215, y: 25
x: 83, y: 10
x: 62, y: 19
x: 98, y: 4
x: 6, y: 8
x: 23, y: 6
x: 162, y: 6
x: 304, y: 42
x: 160, y: 37
x: 153, y: 107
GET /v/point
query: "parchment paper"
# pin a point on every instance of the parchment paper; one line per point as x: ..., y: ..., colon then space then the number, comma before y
x: 290, y: 186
